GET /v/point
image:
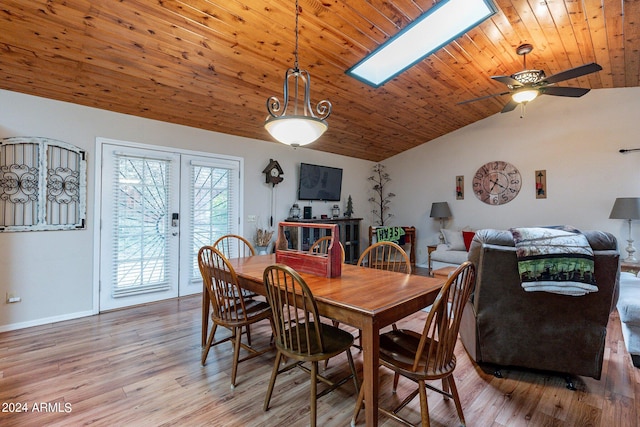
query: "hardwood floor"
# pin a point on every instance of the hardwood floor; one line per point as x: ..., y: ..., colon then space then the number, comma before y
x: 141, y: 366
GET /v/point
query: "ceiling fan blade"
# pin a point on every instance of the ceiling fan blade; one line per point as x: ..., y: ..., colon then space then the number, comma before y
x: 573, y: 73
x: 482, y: 97
x: 509, y: 106
x: 508, y: 80
x: 574, y: 92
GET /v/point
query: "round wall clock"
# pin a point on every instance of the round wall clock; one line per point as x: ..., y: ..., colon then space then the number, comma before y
x: 497, y: 183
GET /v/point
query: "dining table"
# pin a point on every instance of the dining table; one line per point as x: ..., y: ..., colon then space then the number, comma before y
x: 365, y: 298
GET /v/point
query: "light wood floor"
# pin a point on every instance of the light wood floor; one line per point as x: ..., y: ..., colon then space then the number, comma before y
x: 141, y: 367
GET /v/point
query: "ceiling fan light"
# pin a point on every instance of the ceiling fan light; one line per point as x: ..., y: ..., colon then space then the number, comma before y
x: 295, y: 130
x: 526, y: 95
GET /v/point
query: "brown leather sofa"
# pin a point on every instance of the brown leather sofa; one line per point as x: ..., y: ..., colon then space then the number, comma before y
x: 504, y: 326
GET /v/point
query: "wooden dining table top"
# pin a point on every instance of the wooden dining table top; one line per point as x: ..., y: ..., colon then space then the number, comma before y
x: 367, y: 291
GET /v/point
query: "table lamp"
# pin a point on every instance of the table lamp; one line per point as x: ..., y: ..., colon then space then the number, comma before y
x: 441, y: 211
x: 627, y: 208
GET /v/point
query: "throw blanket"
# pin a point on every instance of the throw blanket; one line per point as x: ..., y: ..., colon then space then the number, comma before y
x: 390, y: 234
x: 554, y: 259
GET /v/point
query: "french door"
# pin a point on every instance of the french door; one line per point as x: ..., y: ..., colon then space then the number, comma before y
x: 157, y: 209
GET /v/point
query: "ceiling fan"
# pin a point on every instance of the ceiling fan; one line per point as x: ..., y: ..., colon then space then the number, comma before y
x: 526, y: 85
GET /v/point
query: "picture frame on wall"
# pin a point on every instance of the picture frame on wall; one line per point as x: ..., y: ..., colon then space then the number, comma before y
x: 541, y: 184
x: 460, y: 187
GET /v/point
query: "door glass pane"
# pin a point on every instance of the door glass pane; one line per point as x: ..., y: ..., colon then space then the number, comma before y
x: 141, y: 252
x: 213, y: 210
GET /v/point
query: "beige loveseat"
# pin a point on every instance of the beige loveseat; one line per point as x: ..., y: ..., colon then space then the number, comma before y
x: 505, y: 326
x: 453, y: 251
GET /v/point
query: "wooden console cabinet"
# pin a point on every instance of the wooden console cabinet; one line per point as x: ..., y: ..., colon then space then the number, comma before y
x: 348, y: 230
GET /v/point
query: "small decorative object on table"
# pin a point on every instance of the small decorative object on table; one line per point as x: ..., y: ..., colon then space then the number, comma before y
x: 294, y: 212
x: 335, y: 211
x: 349, y: 210
x: 263, y: 238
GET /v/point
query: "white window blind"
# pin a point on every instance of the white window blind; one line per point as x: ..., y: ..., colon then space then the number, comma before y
x: 141, y: 218
x: 214, y: 202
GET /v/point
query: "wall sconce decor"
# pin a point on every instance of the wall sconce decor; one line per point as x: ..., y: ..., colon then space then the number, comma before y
x: 541, y: 184
x: 460, y: 187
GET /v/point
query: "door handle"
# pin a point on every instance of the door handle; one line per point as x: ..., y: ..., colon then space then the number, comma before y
x: 175, y: 223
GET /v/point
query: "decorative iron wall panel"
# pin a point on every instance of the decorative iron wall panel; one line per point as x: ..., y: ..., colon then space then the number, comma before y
x: 43, y: 185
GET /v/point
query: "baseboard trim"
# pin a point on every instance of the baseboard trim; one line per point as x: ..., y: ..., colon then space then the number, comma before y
x: 46, y: 320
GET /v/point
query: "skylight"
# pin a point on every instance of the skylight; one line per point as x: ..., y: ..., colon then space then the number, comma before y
x: 434, y: 29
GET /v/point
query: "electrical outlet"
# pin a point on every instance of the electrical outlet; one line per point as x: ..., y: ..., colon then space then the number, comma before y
x: 252, y: 218
x: 12, y: 298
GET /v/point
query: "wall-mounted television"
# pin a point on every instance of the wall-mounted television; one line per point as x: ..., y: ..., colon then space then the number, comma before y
x: 319, y: 183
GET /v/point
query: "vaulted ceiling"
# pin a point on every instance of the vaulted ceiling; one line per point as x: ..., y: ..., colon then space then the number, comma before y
x: 212, y: 64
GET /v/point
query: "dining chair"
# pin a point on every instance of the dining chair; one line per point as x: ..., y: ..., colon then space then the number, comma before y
x: 234, y: 246
x: 229, y: 308
x: 429, y: 355
x: 321, y: 246
x: 299, y: 334
x: 385, y: 255
x: 231, y: 246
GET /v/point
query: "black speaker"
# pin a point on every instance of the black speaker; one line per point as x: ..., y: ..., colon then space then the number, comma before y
x: 307, y: 212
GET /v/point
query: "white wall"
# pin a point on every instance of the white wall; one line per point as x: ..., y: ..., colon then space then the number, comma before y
x: 575, y: 140
x: 53, y: 271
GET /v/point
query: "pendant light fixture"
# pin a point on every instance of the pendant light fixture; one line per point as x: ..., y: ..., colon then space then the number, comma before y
x: 300, y: 125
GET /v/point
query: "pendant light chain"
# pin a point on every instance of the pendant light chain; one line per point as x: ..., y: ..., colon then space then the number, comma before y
x: 295, y: 53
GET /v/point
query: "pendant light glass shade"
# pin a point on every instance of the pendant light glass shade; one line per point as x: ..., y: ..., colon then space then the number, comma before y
x: 295, y: 130
x: 302, y: 126
x: 525, y: 95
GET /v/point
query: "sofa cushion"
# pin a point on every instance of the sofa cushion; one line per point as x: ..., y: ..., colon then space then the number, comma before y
x: 629, y: 300
x: 467, y: 236
x: 443, y: 254
x: 453, y: 239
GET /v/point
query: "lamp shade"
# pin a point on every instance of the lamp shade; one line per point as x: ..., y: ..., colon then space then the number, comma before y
x: 295, y: 130
x: 440, y: 210
x: 626, y: 208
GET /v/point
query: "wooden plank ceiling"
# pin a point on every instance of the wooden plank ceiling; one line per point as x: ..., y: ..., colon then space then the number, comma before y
x: 212, y: 64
